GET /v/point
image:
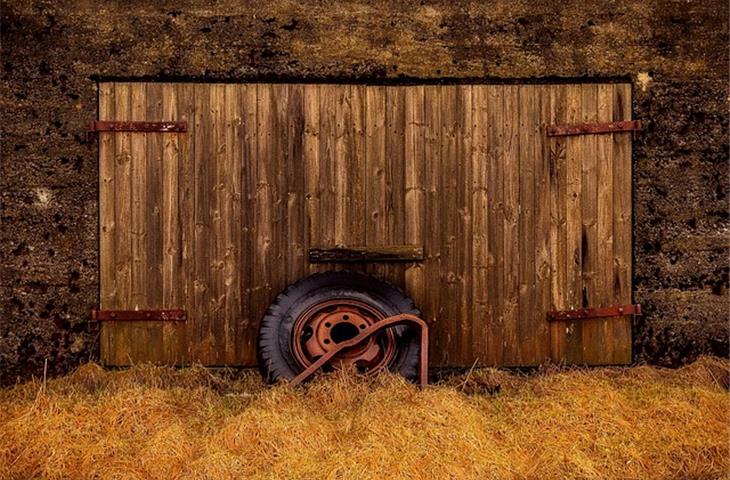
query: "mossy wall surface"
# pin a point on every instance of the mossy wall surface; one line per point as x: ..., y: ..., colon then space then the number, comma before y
x: 53, y: 52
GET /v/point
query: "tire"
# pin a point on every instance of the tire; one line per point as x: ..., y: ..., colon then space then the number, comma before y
x: 275, y: 344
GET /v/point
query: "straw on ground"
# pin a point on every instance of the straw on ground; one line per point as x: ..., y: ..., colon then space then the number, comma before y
x: 161, y: 423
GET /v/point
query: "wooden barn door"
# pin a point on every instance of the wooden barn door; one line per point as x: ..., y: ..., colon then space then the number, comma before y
x: 145, y: 199
x: 590, y: 224
x: 512, y: 223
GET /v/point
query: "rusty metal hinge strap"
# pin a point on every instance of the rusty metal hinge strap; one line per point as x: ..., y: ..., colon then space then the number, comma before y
x: 139, y: 315
x: 602, y: 312
x: 115, y: 126
x: 588, y: 128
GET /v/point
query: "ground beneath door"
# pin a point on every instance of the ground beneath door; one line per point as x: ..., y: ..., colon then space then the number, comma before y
x: 149, y: 422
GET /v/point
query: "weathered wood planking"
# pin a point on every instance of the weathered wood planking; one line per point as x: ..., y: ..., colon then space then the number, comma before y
x: 120, y: 347
x: 480, y: 197
x: 107, y: 227
x: 622, y: 223
x: 589, y: 223
x: 432, y: 308
x: 173, y: 278
x: 415, y: 192
x: 513, y: 223
x: 543, y: 227
x: 186, y: 201
x: 598, y: 262
x: 249, y: 322
x: 574, y: 223
x: 495, y: 189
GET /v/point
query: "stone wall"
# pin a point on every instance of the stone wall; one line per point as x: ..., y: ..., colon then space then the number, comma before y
x: 674, y: 52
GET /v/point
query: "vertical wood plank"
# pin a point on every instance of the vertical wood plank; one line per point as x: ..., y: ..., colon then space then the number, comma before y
x: 216, y: 336
x: 495, y: 232
x: 433, y: 221
x: 528, y: 318
x: 590, y: 339
x: 448, y: 207
x: 139, y: 193
x: 394, y: 159
x: 186, y: 200
x: 118, y: 268
x: 151, y: 216
x: 464, y: 232
x: 249, y: 193
x: 107, y: 224
x: 264, y: 203
x: 327, y: 165
x: 622, y: 223
x: 342, y: 186
x: 558, y: 222
x: 357, y: 169
x: 511, y: 238
x: 202, y: 341
x: 123, y: 207
x: 154, y: 186
x: 231, y: 221
x: 295, y: 185
x: 312, y: 234
x: 173, y: 278
x: 574, y: 222
x: 604, y: 226
x: 543, y: 202
x: 415, y: 164
x: 376, y: 232
x: 278, y: 137
x: 137, y: 335
x: 480, y: 316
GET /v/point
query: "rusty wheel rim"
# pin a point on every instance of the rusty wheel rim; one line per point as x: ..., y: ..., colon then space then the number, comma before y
x: 323, y: 325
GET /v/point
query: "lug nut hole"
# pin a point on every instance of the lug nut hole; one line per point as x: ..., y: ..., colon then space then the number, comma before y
x: 327, y: 340
x: 327, y: 324
x: 343, y: 331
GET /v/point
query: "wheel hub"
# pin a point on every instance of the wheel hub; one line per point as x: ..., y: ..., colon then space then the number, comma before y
x: 322, y: 326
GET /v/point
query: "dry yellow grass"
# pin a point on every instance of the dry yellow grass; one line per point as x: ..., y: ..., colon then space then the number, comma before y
x: 161, y: 423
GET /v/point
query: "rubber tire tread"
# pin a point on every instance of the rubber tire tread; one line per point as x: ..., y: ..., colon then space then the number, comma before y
x: 275, y: 358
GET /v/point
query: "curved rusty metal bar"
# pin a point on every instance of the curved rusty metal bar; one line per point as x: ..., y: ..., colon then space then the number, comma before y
x: 404, y: 318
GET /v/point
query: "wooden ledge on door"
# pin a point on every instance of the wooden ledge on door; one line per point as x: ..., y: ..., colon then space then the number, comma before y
x: 176, y: 315
x: 363, y: 254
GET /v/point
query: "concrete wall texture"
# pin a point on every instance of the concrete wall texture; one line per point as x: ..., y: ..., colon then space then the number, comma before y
x: 674, y: 52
